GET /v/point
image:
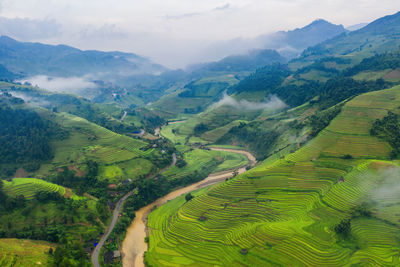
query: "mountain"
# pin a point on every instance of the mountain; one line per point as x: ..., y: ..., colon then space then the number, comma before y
x: 5, y: 74
x: 60, y: 60
x: 245, y: 62
x: 380, y: 36
x: 289, y: 44
x: 356, y: 27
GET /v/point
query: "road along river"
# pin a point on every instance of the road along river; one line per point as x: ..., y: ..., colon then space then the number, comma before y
x: 134, y: 246
x: 96, y: 251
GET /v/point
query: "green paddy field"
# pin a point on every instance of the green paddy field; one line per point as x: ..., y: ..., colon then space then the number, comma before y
x: 283, y: 212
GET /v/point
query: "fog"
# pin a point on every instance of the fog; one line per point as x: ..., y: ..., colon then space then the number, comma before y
x: 389, y: 189
x: 174, y: 32
x: 272, y: 103
x: 31, y: 99
x: 60, y: 84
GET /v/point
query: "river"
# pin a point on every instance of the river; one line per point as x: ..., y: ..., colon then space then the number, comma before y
x: 134, y: 246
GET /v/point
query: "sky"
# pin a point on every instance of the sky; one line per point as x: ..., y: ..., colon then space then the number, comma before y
x: 172, y: 32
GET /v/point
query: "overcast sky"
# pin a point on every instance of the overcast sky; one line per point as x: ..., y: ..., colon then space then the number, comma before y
x: 172, y: 32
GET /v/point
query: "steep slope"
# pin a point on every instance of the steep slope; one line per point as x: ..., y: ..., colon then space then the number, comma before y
x: 289, y: 44
x: 380, y: 36
x: 319, y: 206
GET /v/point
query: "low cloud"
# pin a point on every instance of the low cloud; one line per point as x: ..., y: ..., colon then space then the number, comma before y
x: 272, y: 103
x: 390, y: 187
x: 31, y: 99
x: 59, y: 84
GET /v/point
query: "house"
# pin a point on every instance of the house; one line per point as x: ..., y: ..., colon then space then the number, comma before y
x: 112, y: 186
x: 117, y: 254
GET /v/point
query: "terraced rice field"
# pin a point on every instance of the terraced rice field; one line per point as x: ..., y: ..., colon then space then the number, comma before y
x: 206, y: 161
x: 24, y: 253
x: 283, y: 212
x: 28, y: 187
x: 90, y: 141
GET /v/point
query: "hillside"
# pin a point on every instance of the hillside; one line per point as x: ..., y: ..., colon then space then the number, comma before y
x: 290, y: 44
x: 378, y: 37
x: 295, y: 41
x: 17, y: 252
x: 316, y: 206
x: 235, y: 63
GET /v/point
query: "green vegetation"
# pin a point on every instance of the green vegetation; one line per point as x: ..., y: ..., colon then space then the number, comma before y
x: 320, y: 120
x: 24, y: 136
x: 28, y: 187
x: 388, y: 128
x: 257, y: 140
x: 200, y: 163
x: 20, y: 252
x: 287, y: 212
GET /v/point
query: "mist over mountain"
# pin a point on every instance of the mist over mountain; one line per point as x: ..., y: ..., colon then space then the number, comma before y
x: 246, y: 62
x: 30, y: 59
x: 289, y: 44
x: 356, y: 27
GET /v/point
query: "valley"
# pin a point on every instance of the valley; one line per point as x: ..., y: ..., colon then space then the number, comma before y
x: 132, y: 249
x: 285, y: 154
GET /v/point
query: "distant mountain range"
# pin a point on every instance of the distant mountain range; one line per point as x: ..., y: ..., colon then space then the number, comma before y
x: 380, y: 36
x: 246, y: 62
x: 31, y: 59
x: 356, y: 27
x: 289, y: 44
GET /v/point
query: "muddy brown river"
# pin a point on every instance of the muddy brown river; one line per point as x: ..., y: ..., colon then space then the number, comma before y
x: 134, y: 246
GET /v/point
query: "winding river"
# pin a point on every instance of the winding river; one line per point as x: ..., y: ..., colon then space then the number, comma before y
x: 134, y: 246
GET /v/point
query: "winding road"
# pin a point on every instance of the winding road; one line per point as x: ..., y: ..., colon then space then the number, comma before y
x: 123, y: 116
x: 134, y: 246
x: 96, y: 251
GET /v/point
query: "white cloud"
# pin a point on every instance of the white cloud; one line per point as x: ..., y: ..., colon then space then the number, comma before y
x: 59, y: 84
x: 272, y: 103
x: 146, y: 27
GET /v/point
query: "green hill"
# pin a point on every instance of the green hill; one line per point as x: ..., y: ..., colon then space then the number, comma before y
x: 88, y: 141
x: 319, y: 206
x: 28, y: 187
x: 21, y: 253
x: 378, y: 37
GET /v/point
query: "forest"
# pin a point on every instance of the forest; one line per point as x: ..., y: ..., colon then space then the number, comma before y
x: 25, y: 136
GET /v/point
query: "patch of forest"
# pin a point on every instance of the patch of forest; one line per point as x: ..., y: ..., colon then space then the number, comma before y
x: 388, y: 128
x: 25, y: 136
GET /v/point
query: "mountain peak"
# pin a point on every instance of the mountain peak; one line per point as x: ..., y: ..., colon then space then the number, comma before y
x: 320, y: 21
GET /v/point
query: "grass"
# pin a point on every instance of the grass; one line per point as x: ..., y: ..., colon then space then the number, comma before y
x: 206, y: 162
x: 283, y: 212
x: 28, y: 187
x: 88, y: 141
x: 20, y: 252
x: 131, y: 169
x: 206, y: 91
x: 388, y: 75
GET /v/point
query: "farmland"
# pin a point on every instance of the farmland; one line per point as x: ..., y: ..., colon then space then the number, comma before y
x: 20, y: 252
x: 285, y: 211
x: 118, y: 155
x: 206, y: 162
x: 29, y: 186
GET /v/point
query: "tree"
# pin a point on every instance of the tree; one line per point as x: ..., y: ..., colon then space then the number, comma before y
x: 188, y: 197
x: 343, y: 228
